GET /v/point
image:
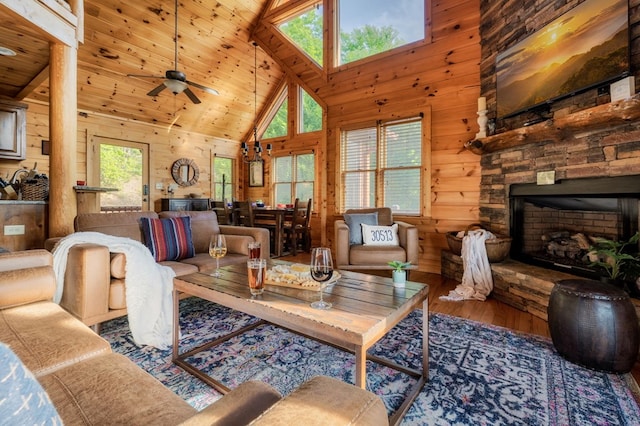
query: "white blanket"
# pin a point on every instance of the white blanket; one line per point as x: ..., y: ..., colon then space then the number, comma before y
x: 477, y: 281
x: 148, y: 285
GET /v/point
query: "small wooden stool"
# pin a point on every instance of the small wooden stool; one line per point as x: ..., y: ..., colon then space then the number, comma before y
x: 594, y: 324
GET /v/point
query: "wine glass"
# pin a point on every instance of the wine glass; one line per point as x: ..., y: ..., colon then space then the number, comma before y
x: 321, y: 269
x: 217, y: 249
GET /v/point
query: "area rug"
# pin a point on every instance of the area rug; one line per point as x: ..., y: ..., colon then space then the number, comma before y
x: 479, y: 374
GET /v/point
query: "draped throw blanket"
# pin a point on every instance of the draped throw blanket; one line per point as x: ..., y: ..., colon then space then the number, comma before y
x: 148, y: 285
x: 477, y: 281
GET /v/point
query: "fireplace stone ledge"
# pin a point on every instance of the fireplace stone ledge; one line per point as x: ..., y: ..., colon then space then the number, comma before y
x: 525, y: 287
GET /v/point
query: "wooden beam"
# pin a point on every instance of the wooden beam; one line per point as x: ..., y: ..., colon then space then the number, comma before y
x: 63, y: 125
x: 46, y: 20
x: 563, y: 128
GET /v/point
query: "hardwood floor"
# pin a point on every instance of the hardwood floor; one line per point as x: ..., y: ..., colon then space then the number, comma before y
x: 489, y: 312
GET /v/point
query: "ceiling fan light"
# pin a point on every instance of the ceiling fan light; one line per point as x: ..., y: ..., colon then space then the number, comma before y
x: 176, y: 86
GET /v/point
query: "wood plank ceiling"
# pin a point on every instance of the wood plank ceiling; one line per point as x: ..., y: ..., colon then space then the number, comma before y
x: 125, y: 37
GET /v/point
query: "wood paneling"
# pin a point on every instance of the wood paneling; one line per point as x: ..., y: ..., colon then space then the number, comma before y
x: 32, y: 215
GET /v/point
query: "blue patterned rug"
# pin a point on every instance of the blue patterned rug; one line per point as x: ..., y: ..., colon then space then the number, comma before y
x: 479, y: 374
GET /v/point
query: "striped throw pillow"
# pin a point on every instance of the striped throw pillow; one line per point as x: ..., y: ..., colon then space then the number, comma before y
x: 168, y: 239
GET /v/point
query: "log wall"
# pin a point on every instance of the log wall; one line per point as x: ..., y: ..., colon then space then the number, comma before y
x: 164, y: 148
x: 441, y: 80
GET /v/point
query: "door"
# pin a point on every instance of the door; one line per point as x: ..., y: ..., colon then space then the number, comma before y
x: 123, y: 165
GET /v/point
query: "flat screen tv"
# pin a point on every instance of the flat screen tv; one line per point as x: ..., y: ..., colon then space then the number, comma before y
x: 585, y: 48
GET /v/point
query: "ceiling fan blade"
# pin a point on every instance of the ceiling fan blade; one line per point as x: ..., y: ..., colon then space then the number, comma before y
x: 157, y: 90
x: 191, y: 96
x: 201, y: 87
x: 145, y: 76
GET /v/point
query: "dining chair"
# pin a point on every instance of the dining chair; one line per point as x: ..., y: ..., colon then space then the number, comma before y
x: 243, y: 213
x: 222, y: 211
x: 298, y: 230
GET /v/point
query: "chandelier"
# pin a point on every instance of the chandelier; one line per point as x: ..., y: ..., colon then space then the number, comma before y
x: 257, y: 147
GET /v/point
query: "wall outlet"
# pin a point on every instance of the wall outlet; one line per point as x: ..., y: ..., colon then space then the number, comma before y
x: 159, y: 185
x: 14, y: 230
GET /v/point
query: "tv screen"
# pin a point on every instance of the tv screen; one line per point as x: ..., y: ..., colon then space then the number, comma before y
x: 582, y: 49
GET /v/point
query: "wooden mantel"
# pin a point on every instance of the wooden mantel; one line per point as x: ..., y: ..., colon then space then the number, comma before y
x: 563, y: 128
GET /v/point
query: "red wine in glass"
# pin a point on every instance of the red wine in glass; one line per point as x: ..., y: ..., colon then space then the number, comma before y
x: 321, y: 269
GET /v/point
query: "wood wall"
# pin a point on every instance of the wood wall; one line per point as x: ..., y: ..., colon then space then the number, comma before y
x: 164, y: 148
x: 441, y: 79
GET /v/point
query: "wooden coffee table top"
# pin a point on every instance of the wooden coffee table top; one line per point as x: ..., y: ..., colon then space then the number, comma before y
x: 364, y: 308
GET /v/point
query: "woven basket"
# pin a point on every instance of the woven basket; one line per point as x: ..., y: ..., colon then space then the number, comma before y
x: 497, y: 248
x: 35, y: 189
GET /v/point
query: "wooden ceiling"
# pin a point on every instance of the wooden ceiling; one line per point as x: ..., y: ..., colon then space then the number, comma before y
x: 125, y: 37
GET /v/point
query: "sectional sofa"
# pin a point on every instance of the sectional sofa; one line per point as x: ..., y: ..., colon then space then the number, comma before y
x: 94, y: 277
x: 55, y: 370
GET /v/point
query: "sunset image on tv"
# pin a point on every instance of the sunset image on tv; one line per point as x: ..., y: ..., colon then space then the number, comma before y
x: 584, y: 47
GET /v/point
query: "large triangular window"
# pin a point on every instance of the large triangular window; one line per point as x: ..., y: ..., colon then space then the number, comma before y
x: 277, y: 127
x: 305, y: 30
x: 310, y: 113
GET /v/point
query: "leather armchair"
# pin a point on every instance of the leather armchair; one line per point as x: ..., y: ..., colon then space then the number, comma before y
x: 368, y: 257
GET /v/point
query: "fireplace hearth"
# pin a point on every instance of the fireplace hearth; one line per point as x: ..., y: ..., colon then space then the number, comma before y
x: 552, y: 225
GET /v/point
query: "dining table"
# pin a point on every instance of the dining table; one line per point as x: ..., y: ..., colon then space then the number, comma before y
x: 273, y: 219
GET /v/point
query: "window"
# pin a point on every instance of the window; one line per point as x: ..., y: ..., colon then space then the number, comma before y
x: 305, y: 30
x: 381, y: 166
x: 293, y: 179
x: 278, y: 126
x: 369, y: 27
x: 310, y: 113
x: 222, y: 179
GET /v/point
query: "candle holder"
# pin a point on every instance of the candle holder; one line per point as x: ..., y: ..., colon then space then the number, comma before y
x: 482, y: 124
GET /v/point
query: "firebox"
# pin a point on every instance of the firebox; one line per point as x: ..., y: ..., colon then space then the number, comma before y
x: 553, y: 225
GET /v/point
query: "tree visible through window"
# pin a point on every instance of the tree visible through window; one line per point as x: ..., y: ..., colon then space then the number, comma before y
x: 310, y: 113
x: 277, y: 128
x: 368, y: 27
x: 305, y: 30
x: 294, y: 176
x: 381, y: 166
x: 222, y: 179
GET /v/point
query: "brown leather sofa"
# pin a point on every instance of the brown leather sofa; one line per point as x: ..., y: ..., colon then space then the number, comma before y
x: 94, y: 287
x: 89, y: 384
x: 368, y: 257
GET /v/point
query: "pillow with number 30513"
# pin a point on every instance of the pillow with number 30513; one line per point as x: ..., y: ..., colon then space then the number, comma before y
x: 380, y: 235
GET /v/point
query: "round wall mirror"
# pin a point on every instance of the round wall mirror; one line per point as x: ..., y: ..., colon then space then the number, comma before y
x: 185, y: 172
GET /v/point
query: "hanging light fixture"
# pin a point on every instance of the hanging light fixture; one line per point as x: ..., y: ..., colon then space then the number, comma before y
x: 257, y: 147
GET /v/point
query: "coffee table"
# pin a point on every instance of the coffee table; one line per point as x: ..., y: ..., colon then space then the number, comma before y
x: 365, y: 308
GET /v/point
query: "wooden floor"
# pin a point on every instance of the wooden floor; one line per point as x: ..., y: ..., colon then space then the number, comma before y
x: 490, y: 311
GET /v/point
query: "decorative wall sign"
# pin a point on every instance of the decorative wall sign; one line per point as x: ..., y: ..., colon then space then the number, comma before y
x: 185, y: 172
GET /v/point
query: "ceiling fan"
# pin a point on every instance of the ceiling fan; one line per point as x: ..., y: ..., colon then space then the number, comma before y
x: 175, y: 80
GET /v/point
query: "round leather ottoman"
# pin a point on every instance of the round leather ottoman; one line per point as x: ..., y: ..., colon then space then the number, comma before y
x: 594, y: 324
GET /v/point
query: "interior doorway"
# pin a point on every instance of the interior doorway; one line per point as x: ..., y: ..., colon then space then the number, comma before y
x: 123, y: 165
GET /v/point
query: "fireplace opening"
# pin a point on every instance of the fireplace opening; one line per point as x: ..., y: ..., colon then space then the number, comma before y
x: 553, y: 225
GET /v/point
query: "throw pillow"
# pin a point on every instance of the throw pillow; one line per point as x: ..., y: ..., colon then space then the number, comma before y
x: 354, y: 222
x: 380, y: 235
x: 23, y: 401
x: 168, y: 239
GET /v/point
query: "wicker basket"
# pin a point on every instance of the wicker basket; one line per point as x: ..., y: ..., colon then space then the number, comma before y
x: 35, y: 189
x: 497, y: 248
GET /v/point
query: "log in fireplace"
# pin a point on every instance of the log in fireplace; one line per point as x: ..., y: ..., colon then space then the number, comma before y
x: 593, y: 207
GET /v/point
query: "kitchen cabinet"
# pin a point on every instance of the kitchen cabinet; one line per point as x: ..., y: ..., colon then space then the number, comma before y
x: 13, y: 130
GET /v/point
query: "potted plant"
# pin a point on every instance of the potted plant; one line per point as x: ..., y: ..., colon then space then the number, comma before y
x: 399, y: 273
x: 622, y: 268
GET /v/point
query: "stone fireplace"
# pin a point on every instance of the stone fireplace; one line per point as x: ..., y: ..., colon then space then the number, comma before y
x: 600, y: 147
x: 553, y: 225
